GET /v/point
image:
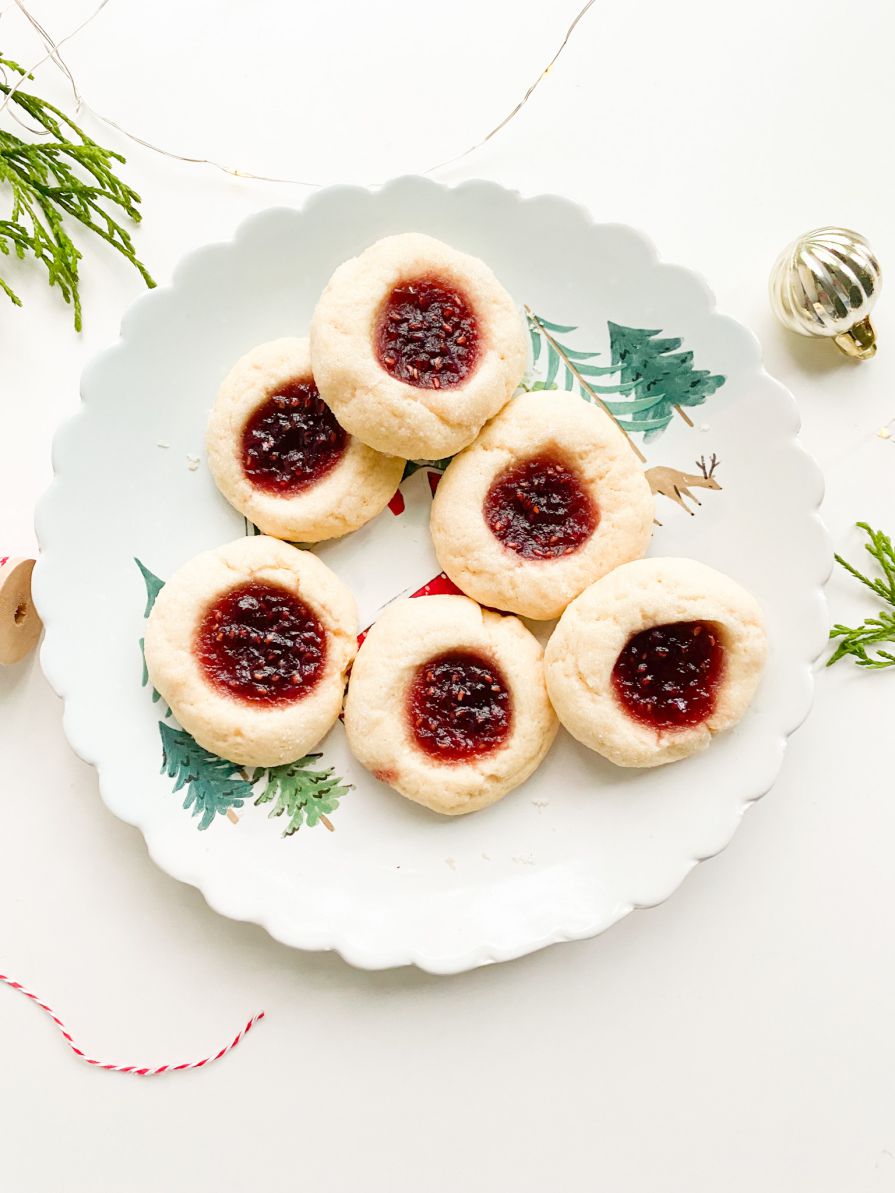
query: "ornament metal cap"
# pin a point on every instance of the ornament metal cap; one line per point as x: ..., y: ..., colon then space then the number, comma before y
x: 825, y: 284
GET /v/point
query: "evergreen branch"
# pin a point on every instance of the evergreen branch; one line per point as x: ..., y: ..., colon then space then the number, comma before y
x: 535, y: 342
x: 659, y: 379
x: 47, y: 183
x: 304, y: 795
x: 873, y: 631
x: 557, y: 352
x: 560, y: 328
x: 879, y: 548
x: 153, y: 585
x: 144, y: 681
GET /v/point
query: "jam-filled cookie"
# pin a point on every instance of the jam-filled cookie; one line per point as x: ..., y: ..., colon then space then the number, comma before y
x: 549, y: 498
x: 416, y: 345
x: 250, y: 644
x: 649, y: 663
x: 447, y: 703
x: 280, y: 457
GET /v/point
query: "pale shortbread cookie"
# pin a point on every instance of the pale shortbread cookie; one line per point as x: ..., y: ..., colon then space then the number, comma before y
x: 244, y: 732
x: 390, y: 414
x: 410, y: 633
x: 353, y: 491
x: 586, y: 643
x: 588, y: 442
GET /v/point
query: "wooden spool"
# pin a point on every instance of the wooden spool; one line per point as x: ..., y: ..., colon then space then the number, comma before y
x: 20, y: 625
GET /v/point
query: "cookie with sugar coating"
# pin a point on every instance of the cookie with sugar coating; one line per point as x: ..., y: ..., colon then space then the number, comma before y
x: 549, y: 498
x: 250, y: 644
x: 641, y: 697
x: 279, y: 456
x: 447, y: 703
x: 415, y: 345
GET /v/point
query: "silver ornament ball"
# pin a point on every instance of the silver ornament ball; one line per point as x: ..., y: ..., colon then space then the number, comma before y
x: 826, y: 284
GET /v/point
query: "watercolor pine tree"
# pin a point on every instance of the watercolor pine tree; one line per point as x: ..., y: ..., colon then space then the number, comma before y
x: 214, y: 787
x: 303, y: 794
x: 656, y: 369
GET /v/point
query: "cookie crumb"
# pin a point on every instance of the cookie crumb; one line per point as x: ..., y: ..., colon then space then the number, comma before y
x: 884, y: 433
x: 162, y: 443
x: 192, y: 462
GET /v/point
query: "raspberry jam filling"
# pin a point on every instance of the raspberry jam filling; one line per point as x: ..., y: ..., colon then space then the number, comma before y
x: 540, y: 509
x: 262, y: 644
x: 667, y: 676
x: 459, y: 707
x: 427, y: 335
x: 291, y: 440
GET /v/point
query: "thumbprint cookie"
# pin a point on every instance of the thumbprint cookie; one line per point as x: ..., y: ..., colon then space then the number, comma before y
x: 547, y: 500
x: 447, y: 703
x: 415, y: 346
x: 279, y: 456
x: 652, y: 661
x: 250, y: 644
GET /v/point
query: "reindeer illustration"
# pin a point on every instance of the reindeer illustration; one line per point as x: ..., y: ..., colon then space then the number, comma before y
x: 676, y: 485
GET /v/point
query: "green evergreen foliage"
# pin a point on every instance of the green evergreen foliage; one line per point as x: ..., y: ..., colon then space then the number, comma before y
x: 652, y: 378
x: 873, y: 631
x: 153, y: 585
x: 63, y: 175
x: 663, y: 378
x: 214, y: 786
x: 301, y: 793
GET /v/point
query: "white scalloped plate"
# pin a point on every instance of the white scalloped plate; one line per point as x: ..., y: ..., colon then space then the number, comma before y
x: 581, y: 843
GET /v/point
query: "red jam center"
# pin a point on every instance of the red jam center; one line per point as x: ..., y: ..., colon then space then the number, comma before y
x: 667, y: 676
x: 262, y: 644
x: 459, y: 707
x: 427, y: 335
x: 292, y: 440
x: 540, y: 509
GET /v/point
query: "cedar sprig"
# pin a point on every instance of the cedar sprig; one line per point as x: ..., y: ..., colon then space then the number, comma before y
x: 66, y: 175
x: 873, y: 631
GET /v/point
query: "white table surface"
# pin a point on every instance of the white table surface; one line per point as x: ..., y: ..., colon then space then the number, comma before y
x: 738, y: 1038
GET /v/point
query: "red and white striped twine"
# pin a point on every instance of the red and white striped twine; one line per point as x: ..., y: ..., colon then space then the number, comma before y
x: 136, y: 1070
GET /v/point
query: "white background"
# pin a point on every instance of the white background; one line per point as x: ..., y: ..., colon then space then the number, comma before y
x: 741, y: 1036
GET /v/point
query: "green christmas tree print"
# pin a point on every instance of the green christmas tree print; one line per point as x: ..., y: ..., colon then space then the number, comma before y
x: 153, y: 587
x: 214, y: 787
x: 663, y: 378
x: 578, y: 371
x: 650, y: 378
x: 302, y: 794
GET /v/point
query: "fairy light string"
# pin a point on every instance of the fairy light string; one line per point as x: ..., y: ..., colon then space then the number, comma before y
x: 52, y: 48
